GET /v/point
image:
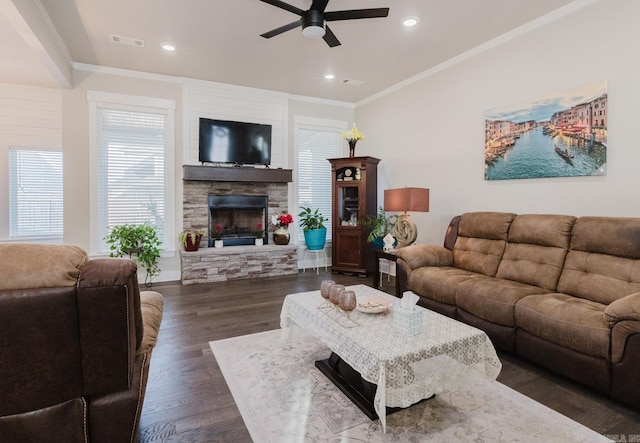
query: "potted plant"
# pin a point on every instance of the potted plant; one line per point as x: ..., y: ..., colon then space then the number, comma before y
x: 312, y: 223
x: 258, y: 232
x: 217, y: 236
x: 190, y: 240
x: 139, y: 241
x: 381, y: 224
x: 281, y: 234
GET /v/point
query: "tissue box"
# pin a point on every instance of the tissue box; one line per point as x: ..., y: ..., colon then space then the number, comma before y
x: 407, y: 321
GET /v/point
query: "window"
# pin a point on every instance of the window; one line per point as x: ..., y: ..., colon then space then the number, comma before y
x: 133, y: 183
x: 35, y: 194
x: 316, y: 141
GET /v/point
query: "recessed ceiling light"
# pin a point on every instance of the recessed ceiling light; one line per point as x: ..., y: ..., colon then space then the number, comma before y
x: 168, y: 47
x: 410, y: 21
x: 329, y: 76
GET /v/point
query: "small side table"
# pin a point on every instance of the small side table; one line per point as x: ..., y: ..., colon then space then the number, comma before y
x: 317, y: 253
x: 391, y: 256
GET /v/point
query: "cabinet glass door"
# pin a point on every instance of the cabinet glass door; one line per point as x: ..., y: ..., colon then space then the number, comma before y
x: 348, y: 206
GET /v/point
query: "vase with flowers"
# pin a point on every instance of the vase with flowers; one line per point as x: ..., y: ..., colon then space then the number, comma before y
x: 258, y: 233
x: 281, y: 233
x: 216, y: 233
x: 352, y: 136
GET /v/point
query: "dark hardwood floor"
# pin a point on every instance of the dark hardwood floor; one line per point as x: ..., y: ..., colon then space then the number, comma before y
x: 187, y: 399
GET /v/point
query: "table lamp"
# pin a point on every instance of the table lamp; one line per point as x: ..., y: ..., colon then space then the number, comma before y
x: 404, y: 200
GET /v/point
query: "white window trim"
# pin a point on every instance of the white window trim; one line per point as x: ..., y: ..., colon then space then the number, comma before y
x: 98, y: 99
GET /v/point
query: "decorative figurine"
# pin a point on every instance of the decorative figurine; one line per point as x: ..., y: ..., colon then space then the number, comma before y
x: 388, y: 242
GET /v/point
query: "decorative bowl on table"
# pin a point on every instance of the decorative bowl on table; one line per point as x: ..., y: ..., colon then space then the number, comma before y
x: 373, y: 305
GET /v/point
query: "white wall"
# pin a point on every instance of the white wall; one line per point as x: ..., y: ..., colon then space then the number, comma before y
x: 227, y: 102
x: 431, y: 132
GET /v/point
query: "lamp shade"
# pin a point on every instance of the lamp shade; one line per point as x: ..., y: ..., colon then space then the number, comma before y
x: 406, y: 199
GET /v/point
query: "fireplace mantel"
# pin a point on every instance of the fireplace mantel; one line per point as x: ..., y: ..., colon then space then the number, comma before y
x: 236, y: 174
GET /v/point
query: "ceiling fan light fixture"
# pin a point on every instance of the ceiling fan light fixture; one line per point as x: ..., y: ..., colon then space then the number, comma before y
x: 313, y: 31
x: 314, y: 20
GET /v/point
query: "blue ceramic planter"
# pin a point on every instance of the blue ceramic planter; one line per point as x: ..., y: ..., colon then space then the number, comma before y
x: 315, y: 238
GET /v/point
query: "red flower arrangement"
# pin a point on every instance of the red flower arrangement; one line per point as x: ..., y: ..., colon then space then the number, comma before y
x: 282, y: 220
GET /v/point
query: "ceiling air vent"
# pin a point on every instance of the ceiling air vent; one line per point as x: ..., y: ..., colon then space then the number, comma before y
x: 129, y: 41
x: 352, y: 82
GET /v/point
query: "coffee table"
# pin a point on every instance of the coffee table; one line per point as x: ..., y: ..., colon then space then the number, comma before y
x: 396, y: 370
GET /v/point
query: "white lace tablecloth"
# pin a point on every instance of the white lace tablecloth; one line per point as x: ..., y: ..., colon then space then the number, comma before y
x: 406, y: 369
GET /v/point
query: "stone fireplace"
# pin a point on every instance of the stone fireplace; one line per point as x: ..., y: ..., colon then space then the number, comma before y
x: 235, y: 260
x: 238, y: 215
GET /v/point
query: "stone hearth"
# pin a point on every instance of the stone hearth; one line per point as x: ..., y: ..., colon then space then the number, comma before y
x: 238, y: 262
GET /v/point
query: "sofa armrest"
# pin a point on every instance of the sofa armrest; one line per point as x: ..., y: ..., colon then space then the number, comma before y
x: 625, y: 308
x: 151, y: 304
x: 417, y: 256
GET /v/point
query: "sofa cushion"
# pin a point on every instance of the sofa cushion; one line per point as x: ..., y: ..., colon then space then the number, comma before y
x: 62, y: 422
x: 603, y: 264
x: 536, y: 249
x: 492, y: 299
x: 481, y: 241
x: 617, y: 236
x: 40, y: 349
x: 23, y: 265
x: 438, y: 283
x: 598, y: 277
x: 567, y: 321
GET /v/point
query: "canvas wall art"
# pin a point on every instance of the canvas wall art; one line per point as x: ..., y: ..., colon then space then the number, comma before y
x: 560, y: 135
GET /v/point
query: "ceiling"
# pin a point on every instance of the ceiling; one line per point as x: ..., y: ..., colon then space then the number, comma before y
x: 219, y: 40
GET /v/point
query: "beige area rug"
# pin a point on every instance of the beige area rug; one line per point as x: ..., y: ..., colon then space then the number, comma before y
x: 283, y: 398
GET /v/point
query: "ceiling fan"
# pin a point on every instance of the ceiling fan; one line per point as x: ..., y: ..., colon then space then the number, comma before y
x: 314, y: 20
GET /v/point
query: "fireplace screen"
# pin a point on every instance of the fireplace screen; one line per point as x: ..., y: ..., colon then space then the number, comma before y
x: 239, y: 216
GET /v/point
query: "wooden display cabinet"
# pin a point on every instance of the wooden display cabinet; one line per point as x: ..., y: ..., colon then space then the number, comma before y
x: 354, y: 196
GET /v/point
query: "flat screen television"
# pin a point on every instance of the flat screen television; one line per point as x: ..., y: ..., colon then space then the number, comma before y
x: 240, y: 143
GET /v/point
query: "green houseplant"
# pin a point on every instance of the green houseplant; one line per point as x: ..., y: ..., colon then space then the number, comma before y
x: 190, y: 240
x: 258, y: 233
x: 312, y: 223
x: 140, y: 241
x: 380, y: 224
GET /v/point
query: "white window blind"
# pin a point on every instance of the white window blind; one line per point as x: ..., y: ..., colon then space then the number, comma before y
x: 315, y: 146
x: 130, y: 170
x: 35, y: 194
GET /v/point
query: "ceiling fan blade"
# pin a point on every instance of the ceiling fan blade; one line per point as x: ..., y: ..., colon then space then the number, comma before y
x: 356, y: 14
x: 285, y: 6
x: 330, y: 38
x: 282, y: 29
x: 319, y: 5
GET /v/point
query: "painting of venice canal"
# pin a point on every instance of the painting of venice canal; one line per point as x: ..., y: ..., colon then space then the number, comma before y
x: 560, y: 135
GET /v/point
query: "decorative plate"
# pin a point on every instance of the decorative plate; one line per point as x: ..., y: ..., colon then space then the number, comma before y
x: 373, y: 305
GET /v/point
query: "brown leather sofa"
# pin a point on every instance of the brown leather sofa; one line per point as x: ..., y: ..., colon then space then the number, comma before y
x: 76, y: 337
x: 559, y: 290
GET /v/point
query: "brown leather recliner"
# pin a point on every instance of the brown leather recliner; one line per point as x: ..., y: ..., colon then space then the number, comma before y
x: 76, y: 337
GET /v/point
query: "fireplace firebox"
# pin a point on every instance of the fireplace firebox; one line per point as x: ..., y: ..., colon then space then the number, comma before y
x: 239, y: 216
